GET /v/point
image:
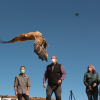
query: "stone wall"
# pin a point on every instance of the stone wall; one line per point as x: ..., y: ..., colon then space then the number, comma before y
x: 30, y: 98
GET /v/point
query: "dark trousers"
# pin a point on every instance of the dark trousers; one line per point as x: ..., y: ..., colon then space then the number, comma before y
x: 56, y: 89
x: 24, y: 95
x: 92, y: 94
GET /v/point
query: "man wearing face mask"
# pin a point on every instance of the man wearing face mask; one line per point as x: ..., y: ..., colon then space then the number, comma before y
x: 22, y: 84
x: 55, y: 74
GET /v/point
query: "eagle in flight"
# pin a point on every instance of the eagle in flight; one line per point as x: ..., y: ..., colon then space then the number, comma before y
x: 39, y: 45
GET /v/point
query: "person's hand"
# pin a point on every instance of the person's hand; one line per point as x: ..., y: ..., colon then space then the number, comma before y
x: 27, y: 93
x: 16, y: 93
x: 94, y: 85
x: 44, y: 85
x: 59, y: 82
x: 90, y: 88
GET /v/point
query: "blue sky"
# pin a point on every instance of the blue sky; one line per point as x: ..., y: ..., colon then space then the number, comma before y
x: 75, y: 41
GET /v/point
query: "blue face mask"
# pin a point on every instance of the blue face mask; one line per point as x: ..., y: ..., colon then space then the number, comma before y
x: 22, y: 71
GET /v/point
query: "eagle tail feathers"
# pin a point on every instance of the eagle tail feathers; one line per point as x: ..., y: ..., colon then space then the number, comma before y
x: 1, y: 41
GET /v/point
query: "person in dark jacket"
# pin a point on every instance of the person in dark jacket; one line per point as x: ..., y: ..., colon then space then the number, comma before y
x: 91, y: 81
x: 55, y: 74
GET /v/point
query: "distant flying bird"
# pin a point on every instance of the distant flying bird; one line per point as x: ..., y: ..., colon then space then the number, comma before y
x: 39, y: 45
x: 77, y: 14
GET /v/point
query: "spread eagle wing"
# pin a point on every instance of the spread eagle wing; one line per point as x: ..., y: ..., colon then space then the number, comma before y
x: 39, y: 45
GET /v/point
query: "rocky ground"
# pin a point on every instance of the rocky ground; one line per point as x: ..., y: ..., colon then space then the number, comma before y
x: 30, y: 98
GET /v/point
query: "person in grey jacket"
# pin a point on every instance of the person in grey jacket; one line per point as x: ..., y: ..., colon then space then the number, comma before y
x: 91, y: 81
x: 22, y: 84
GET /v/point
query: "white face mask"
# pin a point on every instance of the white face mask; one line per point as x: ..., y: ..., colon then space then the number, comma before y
x: 90, y: 69
x: 53, y: 60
